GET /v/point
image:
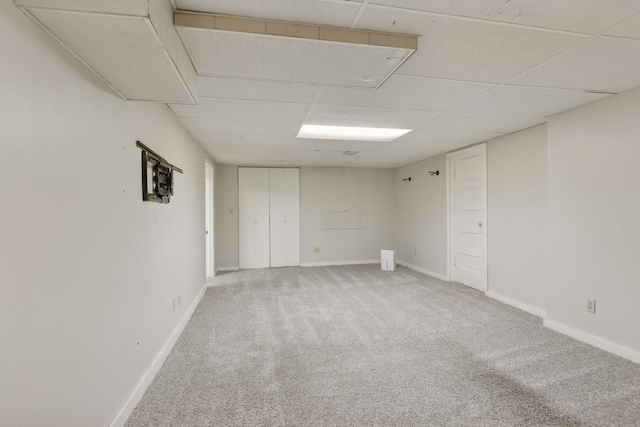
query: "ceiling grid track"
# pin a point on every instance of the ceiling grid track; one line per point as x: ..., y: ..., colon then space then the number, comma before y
x: 303, y: 121
x: 363, y: 7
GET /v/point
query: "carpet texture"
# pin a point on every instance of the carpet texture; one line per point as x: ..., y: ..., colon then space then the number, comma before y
x: 356, y: 346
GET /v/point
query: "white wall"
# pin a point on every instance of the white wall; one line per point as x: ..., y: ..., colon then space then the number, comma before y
x: 421, y: 216
x: 88, y: 271
x: 358, y: 189
x: 594, y: 211
x: 339, y: 189
x: 226, y: 206
x: 517, y: 214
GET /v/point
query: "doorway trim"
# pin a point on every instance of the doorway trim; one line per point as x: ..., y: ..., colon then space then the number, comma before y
x: 209, y: 218
x: 476, y: 149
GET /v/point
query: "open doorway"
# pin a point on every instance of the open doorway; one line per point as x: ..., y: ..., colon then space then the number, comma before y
x: 209, y: 220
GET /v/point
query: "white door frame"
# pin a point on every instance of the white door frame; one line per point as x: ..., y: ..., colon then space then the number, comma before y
x: 210, y: 223
x: 476, y: 149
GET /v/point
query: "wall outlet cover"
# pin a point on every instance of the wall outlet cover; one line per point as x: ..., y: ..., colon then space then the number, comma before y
x: 591, y: 306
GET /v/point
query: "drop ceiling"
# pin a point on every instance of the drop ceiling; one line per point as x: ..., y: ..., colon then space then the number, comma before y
x: 482, y: 68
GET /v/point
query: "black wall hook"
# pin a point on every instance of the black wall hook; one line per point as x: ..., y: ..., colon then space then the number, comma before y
x: 407, y: 179
x: 434, y: 173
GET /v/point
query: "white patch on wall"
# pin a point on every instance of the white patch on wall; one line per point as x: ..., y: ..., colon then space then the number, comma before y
x: 344, y: 220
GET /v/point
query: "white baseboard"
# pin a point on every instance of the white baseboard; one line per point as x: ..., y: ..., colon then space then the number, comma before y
x: 228, y: 268
x: 536, y: 311
x: 424, y: 270
x: 133, y: 400
x: 595, y: 341
x: 328, y: 263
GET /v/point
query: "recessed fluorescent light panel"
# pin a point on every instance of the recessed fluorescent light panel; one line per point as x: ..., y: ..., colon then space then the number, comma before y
x: 350, y: 133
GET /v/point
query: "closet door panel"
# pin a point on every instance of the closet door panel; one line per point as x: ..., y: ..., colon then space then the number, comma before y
x: 261, y: 207
x: 277, y: 208
x: 246, y: 221
x: 292, y: 216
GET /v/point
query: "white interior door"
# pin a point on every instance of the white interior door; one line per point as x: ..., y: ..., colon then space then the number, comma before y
x: 278, y: 217
x: 253, y: 215
x: 292, y: 216
x: 285, y: 217
x: 468, y: 216
x: 246, y: 218
x: 261, y: 218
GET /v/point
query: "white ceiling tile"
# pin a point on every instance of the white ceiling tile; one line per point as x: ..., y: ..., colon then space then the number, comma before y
x: 484, y: 122
x: 316, y: 159
x: 247, y: 159
x: 320, y: 156
x: 374, y: 163
x: 392, y: 156
x: 123, y: 50
x: 117, y: 7
x: 333, y: 115
x: 244, y: 140
x: 457, y: 49
x: 533, y: 101
x: 630, y: 28
x: 333, y: 146
x: 246, y: 149
x: 240, y: 127
x: 429, y: 150
x: 584, y: 16
x: 603, y: 64
x: 311, y: 163
x: 233, y: 109
x: 214, y: 87
x: 290, y: 59
x: 444, y: 137
x: 415, y: 147
x: 339, y: 14
x: 409, y: 93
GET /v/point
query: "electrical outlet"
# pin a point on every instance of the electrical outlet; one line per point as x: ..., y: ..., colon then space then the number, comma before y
x: 316, y: 250
x: 175, y: 303
x: 415, y: 252
x: 591, y: 306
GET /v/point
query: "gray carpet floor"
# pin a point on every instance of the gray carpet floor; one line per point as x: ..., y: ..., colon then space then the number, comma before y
x: 356, y: 346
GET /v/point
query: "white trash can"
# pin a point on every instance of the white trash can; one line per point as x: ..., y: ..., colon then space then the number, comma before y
x: 388, y: 259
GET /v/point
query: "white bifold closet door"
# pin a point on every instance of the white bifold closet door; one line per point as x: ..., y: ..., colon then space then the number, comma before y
x: 285, y: 216
x: 253, y: 211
